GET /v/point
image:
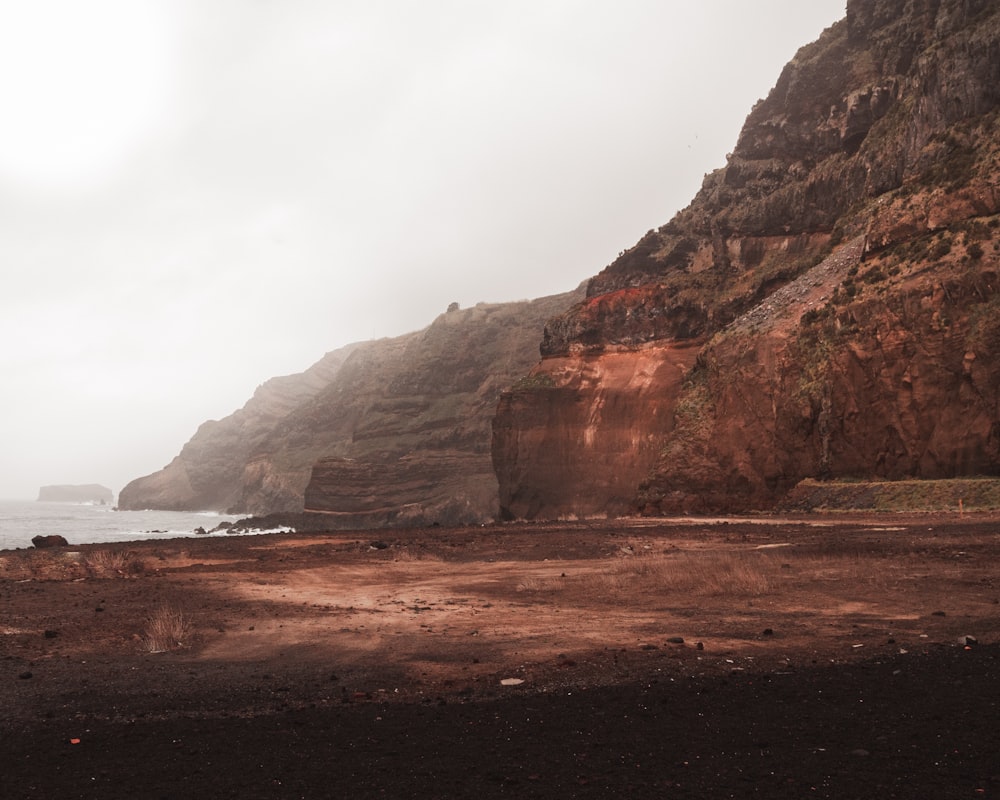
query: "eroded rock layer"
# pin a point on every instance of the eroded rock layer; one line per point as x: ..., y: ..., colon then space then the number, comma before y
x: 835, y: 285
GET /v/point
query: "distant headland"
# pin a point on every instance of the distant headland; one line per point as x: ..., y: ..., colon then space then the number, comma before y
x: 89, y: 493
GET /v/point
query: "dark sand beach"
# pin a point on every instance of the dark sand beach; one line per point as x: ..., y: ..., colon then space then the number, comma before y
x: 837, y: 656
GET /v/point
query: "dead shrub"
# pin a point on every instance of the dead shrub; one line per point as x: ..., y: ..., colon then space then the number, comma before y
x: 113, y: 564
x: 166, y: 629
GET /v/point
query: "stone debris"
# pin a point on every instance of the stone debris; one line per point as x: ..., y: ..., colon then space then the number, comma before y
x: 825, y: 277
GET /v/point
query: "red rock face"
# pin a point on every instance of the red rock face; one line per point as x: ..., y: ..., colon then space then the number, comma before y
x: 576, y: 436
x: 833, y: 290
x: 902, y: 393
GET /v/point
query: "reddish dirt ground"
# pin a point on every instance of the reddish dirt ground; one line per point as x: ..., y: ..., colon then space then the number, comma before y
x: 819, y: 657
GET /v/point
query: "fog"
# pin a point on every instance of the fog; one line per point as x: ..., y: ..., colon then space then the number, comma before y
x: 197, y: 196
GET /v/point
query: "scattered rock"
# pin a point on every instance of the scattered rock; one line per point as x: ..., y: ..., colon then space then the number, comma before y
x: 675, y: 640
x: 511, y: 681
x: 968, y: 641
x: 50, y: 634
x: 938, y: 614
x: 25, y: 676
x: 200, y: 531
x: 767, y: 632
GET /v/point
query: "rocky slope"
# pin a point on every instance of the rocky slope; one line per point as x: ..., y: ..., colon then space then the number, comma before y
x: 826, y: 306
x: 383, y: 432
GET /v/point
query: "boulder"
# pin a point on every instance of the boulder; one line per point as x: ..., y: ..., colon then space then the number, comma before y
x: 53, y: 540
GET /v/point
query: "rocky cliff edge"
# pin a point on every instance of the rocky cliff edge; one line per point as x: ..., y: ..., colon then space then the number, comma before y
x: 826, y: 306
x: 393, y: 431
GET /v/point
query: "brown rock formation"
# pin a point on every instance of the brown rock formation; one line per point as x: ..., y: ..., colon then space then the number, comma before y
x: 398, y: 429
x: 833, y: 289
x: 52, y: 540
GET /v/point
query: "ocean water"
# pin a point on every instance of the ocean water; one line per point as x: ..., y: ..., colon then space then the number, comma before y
x: 85, y: 524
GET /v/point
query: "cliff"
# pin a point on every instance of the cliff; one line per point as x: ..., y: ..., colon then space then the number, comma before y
x: 208, y: 472
x: 826, y: 306
x: 391, y: 431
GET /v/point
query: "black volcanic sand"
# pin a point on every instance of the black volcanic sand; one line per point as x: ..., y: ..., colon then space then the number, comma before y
x: 792, y: 722
x: 924, y: 725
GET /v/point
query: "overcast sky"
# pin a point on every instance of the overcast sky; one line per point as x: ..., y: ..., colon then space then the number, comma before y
x: 198, y: 195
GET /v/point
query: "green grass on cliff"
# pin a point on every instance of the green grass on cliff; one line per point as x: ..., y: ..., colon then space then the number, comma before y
x: 969, y: 494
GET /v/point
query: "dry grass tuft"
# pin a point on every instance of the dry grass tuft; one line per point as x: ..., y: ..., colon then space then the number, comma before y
x: 43, y: 565
x: 60, y: 564
x: 405, y: 554
x: 113, y: 564
x: 749, y: 574
x: 167, y: 629
x: 705, y: 574
x: 876, y: 571
x: 532, y: 583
